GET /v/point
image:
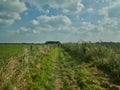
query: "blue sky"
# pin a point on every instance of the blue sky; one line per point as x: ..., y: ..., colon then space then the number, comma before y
x: 63, y: 20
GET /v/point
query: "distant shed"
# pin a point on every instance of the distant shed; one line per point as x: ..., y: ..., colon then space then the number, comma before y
x: 52, y: 42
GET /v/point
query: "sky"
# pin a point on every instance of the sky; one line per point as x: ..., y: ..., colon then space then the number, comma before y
x: 37, y: 21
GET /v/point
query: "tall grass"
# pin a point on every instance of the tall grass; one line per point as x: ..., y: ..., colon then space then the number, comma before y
x: 41, y: 69
x: 102, y: 56
x: 75, y: 74
x: 27, y: 68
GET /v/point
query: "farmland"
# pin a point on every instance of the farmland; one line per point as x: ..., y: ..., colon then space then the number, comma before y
x: 70, y: 66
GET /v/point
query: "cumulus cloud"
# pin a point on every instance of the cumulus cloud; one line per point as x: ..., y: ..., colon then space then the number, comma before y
x: 110, y: 24
x: 10, y: 11
x: 107, y: 25
x: 78, y: 19
x: 90, y: 10
x: 50, y: 23
x: 87, y: 26
x: 111, y: 16
x: 101, y: 16
x: 35, y: 22
x: 111, y: 10
x: 67, y: 6
x: 54, y: 21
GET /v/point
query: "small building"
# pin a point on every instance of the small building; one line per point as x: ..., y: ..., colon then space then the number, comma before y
x: 52, y: 42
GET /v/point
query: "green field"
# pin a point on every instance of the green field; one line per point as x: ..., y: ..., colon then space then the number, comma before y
x: 70, y: 66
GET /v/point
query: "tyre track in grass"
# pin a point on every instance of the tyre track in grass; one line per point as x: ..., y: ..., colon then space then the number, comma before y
x: 57, y: 72
x: 64, y: 72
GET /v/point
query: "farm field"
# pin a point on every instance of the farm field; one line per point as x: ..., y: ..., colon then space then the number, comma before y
x: 70, y: 66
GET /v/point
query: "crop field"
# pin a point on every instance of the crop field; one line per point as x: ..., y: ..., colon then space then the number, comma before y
x: 69, y: 66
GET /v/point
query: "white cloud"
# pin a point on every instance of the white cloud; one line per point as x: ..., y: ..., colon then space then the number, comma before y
x: 67, y: 6
x: 111, y: 9
x: 35, y: 22
x: 111, y: 15
x: 90, y: 10
x: 24, y: 29
x: 10, y: 11
x: 108, y: 1
x: 50, y: 23
x: 87, y: 26
x: 38, y: 3
x: 106, y: 25
x: 73, y: 19
x: 108, y: 21
x: 55, y: 21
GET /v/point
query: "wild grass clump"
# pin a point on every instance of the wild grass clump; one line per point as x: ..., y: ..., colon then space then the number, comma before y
x: 30, y: 69
x: 111, y: 65
x: 87, y: 51
x: 85, y: 79
x: 41, y: 69
x: 100, y: 55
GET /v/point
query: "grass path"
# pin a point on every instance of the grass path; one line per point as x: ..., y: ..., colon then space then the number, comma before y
x: 64, y: 72
x: 58, y: 82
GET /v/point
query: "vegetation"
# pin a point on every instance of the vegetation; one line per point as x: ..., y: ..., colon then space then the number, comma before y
x: 8, y: 51
x: 24, y: 71
x: 105, y: 57
x: 70, y: 66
